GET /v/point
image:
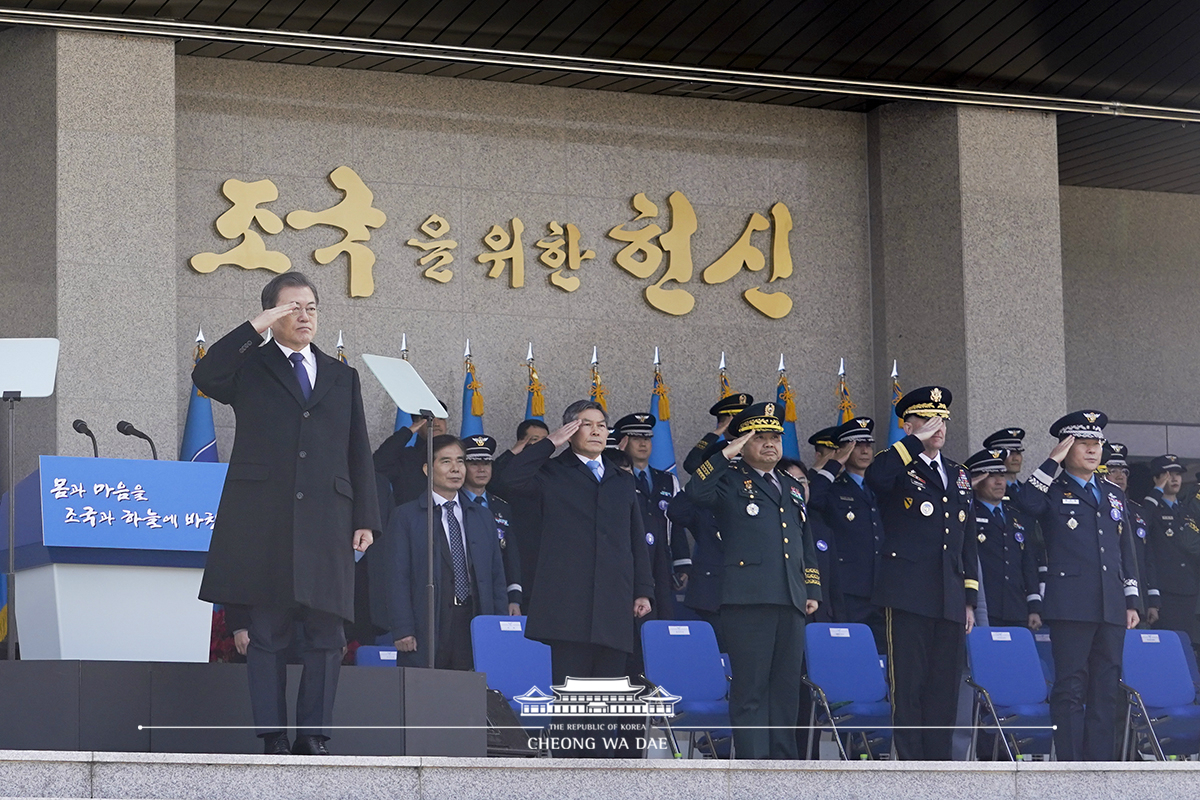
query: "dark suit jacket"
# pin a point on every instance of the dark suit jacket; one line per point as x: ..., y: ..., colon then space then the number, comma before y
x: 708, y: 556
x: 300, y: 479
x: 402, y: 465
x: 406, y: 550
x: 594, y: 561
x: 525, y: 524
x: 930, y: 561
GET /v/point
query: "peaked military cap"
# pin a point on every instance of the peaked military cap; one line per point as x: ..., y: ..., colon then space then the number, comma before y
x: 635, y: 425
x: 859, y: 429
x: 613, y: 442
x: 734, y: 404
x: 758, y: 417
x: 1167, y: 463
x: 986, y: 461
x: 1085, y: 424
x: 928, y: 401
x: 1115, y: 454
x: 479, y: 448
x: 826, y: 437
x: 1010, y: 439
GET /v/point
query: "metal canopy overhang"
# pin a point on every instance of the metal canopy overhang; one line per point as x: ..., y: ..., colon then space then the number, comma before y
x: 1119, y: 73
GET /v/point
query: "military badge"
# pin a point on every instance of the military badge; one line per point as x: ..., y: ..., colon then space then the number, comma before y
x: 1020, y: 537
x: 908, y: 502
x: 821, y: 545
x: 649, y: 538
x: 927, y: 509
x: 1141, y: 532
x: 1169, y: 532
x: 797, y: 495
x: 850, y: 516
x: 752, y: 509
x: 1072, y: 523
x: 962, y: 516
x: 662, y: 505
x: 982, y: 538
x: 964, y: 482
x: 749, y: 486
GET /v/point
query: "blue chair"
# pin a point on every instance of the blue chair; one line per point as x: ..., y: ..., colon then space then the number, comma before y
x: 847, y: 682
x: 1162, y: 697
x: 1189, y: 653
x: 1041, y: 639
x: 682, y: 659
x: 513, y: 664
x: 369, y: 655
x: 1011, y: 695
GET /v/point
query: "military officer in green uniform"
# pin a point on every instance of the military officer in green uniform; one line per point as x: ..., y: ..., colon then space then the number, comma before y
x: 770, y: 579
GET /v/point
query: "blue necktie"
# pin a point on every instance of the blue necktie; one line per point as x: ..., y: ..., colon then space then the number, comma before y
x: 298, y: 367
x: 462, y: 583
x: 999, y: 515
x: 643, y: 483
x: 594, y: 466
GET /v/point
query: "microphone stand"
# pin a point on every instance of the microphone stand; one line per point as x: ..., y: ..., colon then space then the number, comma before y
x: 11, y: 398
x: 427, y: 415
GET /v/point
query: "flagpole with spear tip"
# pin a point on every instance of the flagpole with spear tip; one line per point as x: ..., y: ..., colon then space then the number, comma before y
x: 725, y: 388
x: 598, y: 394
x: 846, y: 406
x: 341, y: 349
x: 785, y: 397
x: 535, y: 405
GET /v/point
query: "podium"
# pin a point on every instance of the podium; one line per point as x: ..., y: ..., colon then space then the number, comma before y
x: 109, y: 556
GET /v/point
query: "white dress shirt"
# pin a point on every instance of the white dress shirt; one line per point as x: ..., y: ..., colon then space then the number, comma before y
x: 936, y: 463
x: 600, y: 471
x: 309, y: 362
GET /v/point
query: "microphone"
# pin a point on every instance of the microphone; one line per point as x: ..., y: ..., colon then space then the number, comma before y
x: 82, y: 427
x: 128, y: 429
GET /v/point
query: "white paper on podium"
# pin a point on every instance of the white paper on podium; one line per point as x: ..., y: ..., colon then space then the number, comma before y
x: 28, y: 366
x: 404, y: 385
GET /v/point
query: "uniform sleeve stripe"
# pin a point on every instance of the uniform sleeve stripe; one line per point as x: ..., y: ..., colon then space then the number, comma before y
x: 1152, y: 592
x: 514, y: 587
x: 970, y: 584
x: 1041, y: 480
x: 904, y: 454
x: 1030, y: 598
x: 826, y: 475
x: 1131, y: 591
x: 682, y: 562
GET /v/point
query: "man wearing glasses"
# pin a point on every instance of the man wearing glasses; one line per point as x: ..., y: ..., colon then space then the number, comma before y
x: 594, y: 566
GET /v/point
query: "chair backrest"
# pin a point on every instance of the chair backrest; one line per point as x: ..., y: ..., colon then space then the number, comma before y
x: 1005, y: 662
x: 843, y: 661
x: 1185, y: 642
x: 1155, y: 666
x: 682, y: 657
x: 512, y: 663
x: 370, y: 655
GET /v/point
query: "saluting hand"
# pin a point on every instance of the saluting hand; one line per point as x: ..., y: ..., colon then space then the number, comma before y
x: 1161, y: 481
x: 270, y: 316
x: 926, y: 430
x: 735, y: 447
x: 843, y: 453
x: 564, y: 434
x: 978, y: 478
x: 723, y: 424
x: 1061, y: 449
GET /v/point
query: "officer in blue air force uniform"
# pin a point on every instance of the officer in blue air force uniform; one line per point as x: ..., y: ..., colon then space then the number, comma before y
x: 1091, y: 585
x: 480, y: 453
x: 1175, y: 543
x: 1114, y: 467
x: 928, y: 579
x: 847, y: 506
x: 770, y: 580
x: 1009, y: 569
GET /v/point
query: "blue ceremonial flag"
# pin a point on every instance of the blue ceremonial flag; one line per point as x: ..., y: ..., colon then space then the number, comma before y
x: 472, y: 399
x: 403, y: 418
x: 662, y: 456
x: 785, y: 398
x: 895, y: 431
x: 199, y: 434
x: 535, y: 402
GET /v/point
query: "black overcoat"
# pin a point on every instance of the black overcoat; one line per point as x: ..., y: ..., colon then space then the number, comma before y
x: 300, y: 479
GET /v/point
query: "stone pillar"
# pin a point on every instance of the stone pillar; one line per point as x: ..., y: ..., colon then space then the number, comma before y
x: 967, y: 264
x: 89, y: 224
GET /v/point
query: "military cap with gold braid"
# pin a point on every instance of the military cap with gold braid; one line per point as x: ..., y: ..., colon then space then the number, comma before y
x: 928, y: 401
x: 734, y: 404
x: 479, y: 448
x: 826, y: 437
x: 758, y: 417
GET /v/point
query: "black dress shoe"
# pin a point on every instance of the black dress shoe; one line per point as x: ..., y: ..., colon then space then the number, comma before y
x: 309, y: 746
x: 276, y: 744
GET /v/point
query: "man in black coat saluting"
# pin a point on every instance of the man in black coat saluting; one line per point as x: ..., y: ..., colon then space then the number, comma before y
x: 299, y: 499
x: 594, y: 566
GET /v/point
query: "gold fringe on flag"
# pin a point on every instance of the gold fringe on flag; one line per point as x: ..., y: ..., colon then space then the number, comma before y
x: 195, y: 358
x: 726, y: 389
x: 789, y: 399
x: 662, y: 392
x: 537, y: 406
x: 476, y: 390
x: 599, y: 393
x: 845, y: 404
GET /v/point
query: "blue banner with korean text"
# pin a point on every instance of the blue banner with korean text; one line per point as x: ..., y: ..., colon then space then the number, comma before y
x: 129, y: 504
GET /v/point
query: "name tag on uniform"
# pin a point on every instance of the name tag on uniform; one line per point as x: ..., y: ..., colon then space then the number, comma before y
x: 982, y: 521
x: 1070, y: 501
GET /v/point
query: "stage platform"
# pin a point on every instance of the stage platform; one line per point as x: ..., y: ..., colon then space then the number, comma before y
x: 27, y: 773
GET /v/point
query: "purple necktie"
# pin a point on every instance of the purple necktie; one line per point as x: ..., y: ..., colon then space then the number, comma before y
x: 297, y: 360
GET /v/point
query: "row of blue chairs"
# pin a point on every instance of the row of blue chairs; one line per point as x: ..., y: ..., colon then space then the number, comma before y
x: 1011, y: 670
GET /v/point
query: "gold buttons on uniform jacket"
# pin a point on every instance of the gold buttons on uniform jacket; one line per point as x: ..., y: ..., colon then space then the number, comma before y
x: 741, y: 563
x: 785, y: 524
x: 785, y: 541
x: 785, y: 555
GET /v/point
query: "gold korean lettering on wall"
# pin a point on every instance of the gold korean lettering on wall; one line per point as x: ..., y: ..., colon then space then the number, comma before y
x: 562, y: 251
